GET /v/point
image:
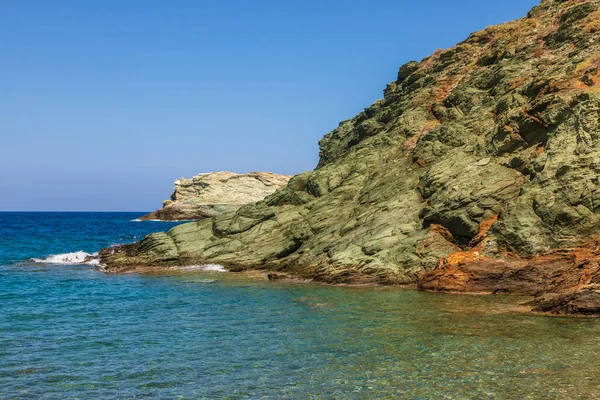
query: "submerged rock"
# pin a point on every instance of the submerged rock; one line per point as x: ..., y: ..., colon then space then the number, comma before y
x: 207, y: 195
x: 483, y: 158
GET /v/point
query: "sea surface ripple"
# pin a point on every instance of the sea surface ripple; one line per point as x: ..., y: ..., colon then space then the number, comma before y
x: 69, y: 331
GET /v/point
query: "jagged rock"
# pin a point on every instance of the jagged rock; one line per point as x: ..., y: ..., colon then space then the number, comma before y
x: 582, y: 300
x: 484, y: 156
x: 553, y: 272
x: 207, y: 195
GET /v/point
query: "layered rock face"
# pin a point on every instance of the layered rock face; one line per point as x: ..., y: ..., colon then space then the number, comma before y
x: 481, y: 159
x: 207, y: 195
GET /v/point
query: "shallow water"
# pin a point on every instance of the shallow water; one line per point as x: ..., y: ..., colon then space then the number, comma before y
x: 69, y: 331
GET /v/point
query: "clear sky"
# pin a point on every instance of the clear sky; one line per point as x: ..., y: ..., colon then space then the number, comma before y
x: 103, y: 104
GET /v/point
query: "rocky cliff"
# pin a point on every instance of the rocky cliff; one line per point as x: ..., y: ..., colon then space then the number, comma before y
x: 477, y: 171
x: 207, y: 195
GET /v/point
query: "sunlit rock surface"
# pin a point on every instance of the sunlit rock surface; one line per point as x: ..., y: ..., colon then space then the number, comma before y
x: 210, y: 194
x: 482, y: 157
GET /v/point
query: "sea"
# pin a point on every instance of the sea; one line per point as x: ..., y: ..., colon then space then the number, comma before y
x: 70, y: 331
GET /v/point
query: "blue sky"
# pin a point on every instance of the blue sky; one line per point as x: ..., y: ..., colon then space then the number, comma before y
x: 103, y: 104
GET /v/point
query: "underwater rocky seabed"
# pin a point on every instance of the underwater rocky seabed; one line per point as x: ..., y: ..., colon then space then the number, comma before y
x: 68, y: 331
x: 477, y: 172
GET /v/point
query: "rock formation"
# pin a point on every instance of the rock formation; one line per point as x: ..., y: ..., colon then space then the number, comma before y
x: 207, y: 195
x: 477, y: 171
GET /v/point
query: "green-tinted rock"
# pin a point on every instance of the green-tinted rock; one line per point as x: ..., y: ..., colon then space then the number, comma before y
x: 505, y: 125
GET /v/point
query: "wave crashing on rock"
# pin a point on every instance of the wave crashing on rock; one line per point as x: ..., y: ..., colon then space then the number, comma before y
x: 77, y: 257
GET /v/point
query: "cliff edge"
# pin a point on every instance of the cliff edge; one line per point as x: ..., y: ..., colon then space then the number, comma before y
x: 210, y: 194
x: 479, y: 166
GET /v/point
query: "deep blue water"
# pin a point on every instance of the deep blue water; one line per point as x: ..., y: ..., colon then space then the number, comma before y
x: 70, y: 331
x: 25, y: 235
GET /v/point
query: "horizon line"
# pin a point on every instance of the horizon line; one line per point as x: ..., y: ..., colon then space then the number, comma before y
x: 74, y: 211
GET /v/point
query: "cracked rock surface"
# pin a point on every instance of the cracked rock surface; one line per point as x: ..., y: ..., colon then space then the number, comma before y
x: 480, y: 164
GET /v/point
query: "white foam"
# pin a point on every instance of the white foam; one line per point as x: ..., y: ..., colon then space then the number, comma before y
x: 77, y: 257
x: 95, y: 262
x: 204, y: 267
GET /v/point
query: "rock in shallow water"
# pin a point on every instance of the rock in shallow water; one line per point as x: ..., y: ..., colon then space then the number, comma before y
x: 583, y: 300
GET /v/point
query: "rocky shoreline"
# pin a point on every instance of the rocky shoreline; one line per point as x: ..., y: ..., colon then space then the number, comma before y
x: 566, y: 282
x: 478, y: 172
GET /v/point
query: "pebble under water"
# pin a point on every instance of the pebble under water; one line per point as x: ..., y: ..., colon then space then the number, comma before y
x: 70, y: 331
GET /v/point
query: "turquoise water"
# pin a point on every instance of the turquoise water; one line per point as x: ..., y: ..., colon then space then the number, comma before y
x: 69, y: 331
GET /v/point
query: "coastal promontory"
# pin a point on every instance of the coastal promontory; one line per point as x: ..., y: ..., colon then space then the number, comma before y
x: 478, y: 171
x: 209, y: 194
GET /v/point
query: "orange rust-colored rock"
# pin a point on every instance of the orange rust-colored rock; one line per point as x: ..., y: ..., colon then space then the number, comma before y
x: 475, y: 254
x: 565, y: 281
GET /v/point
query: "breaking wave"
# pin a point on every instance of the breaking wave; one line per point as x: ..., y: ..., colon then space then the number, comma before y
x: 78, y: 257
